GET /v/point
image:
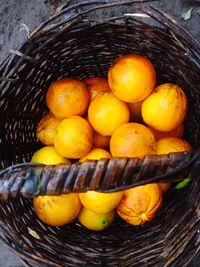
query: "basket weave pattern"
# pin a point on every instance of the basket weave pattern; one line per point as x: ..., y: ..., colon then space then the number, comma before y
x: 80, y: 45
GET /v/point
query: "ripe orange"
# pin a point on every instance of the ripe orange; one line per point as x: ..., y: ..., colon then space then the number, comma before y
x: 131, y: 78
x: 100, y: 202
x: 172, y: 144
x: 177, y: 132
x: 140, y: 204
x: 96, y: 85
x: 132, y: 140
x: 57, y: 210
x: 136, y: 111
x: 74, y: 138
x: 106, y: 113
x: 101, y: 141
x: 167, y: 145
x: 165, y: 109
x: 95, y: 221
x: 46, y: 129
x: 49, y: 156
x: 95, y: 154
x: 67, y: 97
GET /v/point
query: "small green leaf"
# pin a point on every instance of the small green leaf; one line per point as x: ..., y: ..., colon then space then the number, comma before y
x: 187, y: 14
x: 183, y: 183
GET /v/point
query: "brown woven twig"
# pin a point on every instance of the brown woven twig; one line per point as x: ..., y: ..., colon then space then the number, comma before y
x: 108, y: 175
x: 75, y: 42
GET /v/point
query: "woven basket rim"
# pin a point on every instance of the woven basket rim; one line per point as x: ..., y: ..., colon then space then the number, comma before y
x: 166, y: 20
x: 44, y: 28
x: 21, y: 180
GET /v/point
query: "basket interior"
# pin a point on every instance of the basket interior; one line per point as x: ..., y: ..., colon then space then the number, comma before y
x: 81, y: 53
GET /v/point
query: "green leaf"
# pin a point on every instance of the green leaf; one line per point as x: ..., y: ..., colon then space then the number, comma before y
x: 183, y: 183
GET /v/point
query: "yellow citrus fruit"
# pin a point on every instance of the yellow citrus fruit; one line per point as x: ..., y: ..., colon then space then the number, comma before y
x: 101, y: 141
x: 57, y: 210
x: 131, y: 78
x: 136, y: 112
x: 95, y: 154
x: 165, y: 109
x: 177, y: 132
x: 95, y: 221
x: 132, y: 140
x: 106, y: 113
x: 46, y: 129
x: 74, y: 138
x: 96, y: 85
x: 171, y: 144
x: 67, y: 97
x: 100, y: 202
x: 140, y: 204
x: 49, y: 156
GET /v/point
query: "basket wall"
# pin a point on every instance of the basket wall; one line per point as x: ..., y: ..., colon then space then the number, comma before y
x: 81, y: 48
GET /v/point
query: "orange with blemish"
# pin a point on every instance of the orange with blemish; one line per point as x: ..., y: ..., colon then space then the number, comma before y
x: 67, y: 97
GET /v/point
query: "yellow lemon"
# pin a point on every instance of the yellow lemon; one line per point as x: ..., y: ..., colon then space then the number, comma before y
x: 49, y: 156
x: 100, y: 202
x: 95, y: 221
x: 95, y: 154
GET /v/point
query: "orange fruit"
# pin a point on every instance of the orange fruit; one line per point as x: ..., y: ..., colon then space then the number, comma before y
x: 136, y: 111
x: 95, y: 221
x: 100, y: 202
x: 132, y: 140
x: 74, y: 138
x: 57, y: 210
x: 165, y: 109
x: 164, y: 186
x: 67, y: 97
x: 101, y: 141
x: 46, y: 129
x: 140, y: 204
x: 131, y: 78
x: 172, y: 144
x: 106, y: 113
x: 167, y: 145
x: 95, y: 154
x: 49, y: 156
x: 177, y: 132
x: 96, y: 85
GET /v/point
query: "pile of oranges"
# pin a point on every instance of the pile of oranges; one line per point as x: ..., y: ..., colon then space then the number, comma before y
x: 126, y: 116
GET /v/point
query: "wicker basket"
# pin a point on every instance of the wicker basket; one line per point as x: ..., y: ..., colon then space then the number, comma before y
x: 74, y: 42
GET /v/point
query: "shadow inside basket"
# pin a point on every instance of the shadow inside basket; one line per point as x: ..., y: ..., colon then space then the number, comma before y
x: 156, y: 239
x: 83, y: 53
